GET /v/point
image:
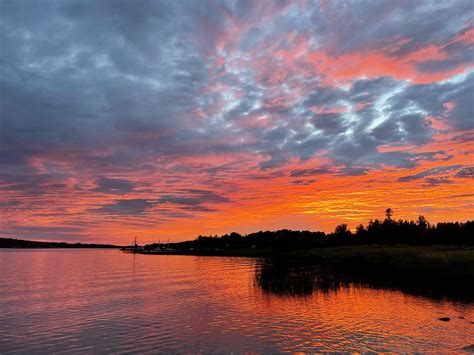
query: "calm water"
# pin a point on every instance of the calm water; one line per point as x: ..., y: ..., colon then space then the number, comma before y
x: 108, y: 301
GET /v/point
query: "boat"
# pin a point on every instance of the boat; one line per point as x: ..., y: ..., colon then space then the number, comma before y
x: 132, y: 248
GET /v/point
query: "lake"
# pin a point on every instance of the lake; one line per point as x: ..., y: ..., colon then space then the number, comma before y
x: 94, y: 301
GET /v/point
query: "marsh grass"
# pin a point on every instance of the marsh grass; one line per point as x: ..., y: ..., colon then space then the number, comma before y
x: 435, y: 271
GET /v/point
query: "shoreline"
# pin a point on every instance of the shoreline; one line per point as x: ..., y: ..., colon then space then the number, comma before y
x: 313, y: 252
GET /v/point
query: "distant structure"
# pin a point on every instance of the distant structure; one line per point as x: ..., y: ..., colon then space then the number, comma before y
x: 133, y: 248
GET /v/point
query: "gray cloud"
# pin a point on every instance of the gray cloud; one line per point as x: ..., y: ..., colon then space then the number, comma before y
x: 310, y: 172
x: 126, y: 207
x: 193, y: 198
x: 467, y: 172
x: 353, y: 171
x: 303, y: 182
x: 113, y: 186
x: 432, y: 171
x: 188, y: 201
x: 435, y: 181
x: 134, y: 85
x: 33, y: 184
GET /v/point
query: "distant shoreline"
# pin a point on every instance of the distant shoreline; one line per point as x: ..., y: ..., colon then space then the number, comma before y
x: 319, y: 252
x: 57, y: 248
x: 12, y: 243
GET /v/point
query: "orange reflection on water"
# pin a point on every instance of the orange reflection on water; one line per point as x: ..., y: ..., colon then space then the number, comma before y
x: 105, y: 300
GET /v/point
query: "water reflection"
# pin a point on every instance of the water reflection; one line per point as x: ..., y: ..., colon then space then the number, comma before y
x: 288, y: 277
x: 106, y: 301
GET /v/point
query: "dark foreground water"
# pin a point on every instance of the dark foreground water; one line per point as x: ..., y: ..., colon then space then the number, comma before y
x: 106, y: 301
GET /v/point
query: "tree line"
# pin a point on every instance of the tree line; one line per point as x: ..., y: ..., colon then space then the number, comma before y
x: 387, y: 231
x: 19, y: 243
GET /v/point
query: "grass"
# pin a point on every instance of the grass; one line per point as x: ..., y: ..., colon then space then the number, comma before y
x: 393, y: 253
x: 439, y: 261
x: 435, y: 271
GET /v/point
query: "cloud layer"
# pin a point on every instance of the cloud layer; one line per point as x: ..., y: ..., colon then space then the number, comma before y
x: 180, y: 118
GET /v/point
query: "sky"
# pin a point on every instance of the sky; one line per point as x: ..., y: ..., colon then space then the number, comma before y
x: 171, y: 119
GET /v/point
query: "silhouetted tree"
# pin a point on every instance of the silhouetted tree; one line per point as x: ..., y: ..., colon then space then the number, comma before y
x: 360, y: 229
x: 422, y: 223
x: 342, y: 229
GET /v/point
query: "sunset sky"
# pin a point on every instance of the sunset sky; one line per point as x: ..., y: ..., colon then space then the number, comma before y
x: 170, y: 119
